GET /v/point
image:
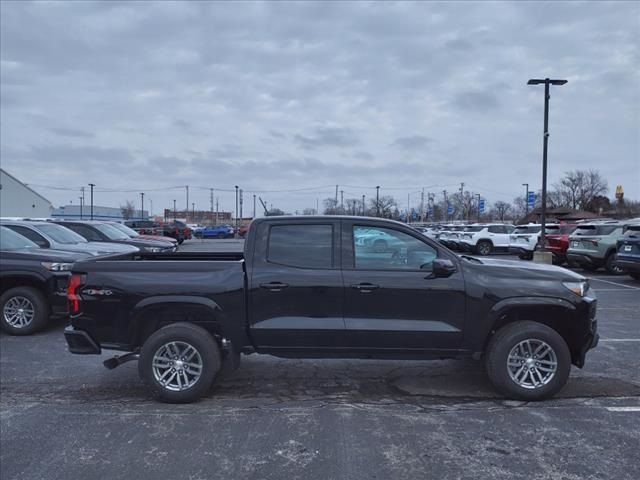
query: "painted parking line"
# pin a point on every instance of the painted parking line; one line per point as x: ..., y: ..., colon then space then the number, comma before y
x: 615, y: 283
x: 623, y: 409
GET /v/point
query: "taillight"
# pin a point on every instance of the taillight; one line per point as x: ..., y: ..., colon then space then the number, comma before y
x: 73, y: 298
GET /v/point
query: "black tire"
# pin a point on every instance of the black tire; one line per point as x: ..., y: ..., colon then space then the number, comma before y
x: 506, y: 339
x: 23, y: 297
x: 611, y: 267
x: 220, y: 236
x: 635, y: 275
x: 525, y: 256
x: 184, y: 334
x: 484, y: 247
x: 180, y: 241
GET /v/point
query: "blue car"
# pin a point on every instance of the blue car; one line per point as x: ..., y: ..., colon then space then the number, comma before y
x: 219, y: 231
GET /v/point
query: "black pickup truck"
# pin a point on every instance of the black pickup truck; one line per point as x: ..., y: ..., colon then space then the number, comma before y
x: 331, y: 287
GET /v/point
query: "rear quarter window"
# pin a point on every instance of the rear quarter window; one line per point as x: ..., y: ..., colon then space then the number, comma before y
x: 302, y: 246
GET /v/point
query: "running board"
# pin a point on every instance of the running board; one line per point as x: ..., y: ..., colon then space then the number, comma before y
x: 111, y: 363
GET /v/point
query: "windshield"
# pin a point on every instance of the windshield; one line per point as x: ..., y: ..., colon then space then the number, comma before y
x: 632, y: 231
x: 124, y: 229
x: 60, y: 234
x: 10, y: 240
x: 475, y: 228
x: 111, y: 232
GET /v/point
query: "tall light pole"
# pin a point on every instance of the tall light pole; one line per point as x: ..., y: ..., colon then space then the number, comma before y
x: 187, y: 209
x: 193, y: 212
x: 378, y: 201
x: 236, y: 229
x: 526, y: 198
x: 545, y: 142
x: 92, y: 185
x: 141, y: 205
x: 174, y: 210
x: 254, y: 205
x: 81, y: 202
x: 478, y: 195
x: 363, y: 206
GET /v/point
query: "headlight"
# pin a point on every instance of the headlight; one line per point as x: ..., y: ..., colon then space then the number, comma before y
x: 579, y: 288
x: 57, y: 267
x: 152, y: 249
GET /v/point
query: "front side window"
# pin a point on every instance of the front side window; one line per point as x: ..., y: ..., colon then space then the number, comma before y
x: 10, y: 240
x: 61, y: 234
x: 85, y: 232
x: 31, y: 235
x: 377, y: 248
x: 303, y: 246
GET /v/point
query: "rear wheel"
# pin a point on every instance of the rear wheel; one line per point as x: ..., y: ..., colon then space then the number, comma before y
x: 179, y: 362
x: 24, y: 310
x: 635, y: 275
x: 610, y: 265
x: 484, y: 247
x: 220, y: 236
x: 528, y: 361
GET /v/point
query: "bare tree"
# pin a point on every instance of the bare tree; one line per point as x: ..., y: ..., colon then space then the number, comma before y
x: 273, y: 212
x: 330, y: 206
x: 387, y: 206
x: 309, y: 211
x: 578, y: 188
x: 465, y: 204
x: 128, y: 209
x: 501, y: 209
x: 353, y: 206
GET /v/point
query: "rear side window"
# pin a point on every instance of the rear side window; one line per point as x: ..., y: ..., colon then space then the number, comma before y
x: 303, y: 246
x: 31, y: 235
x: 497, y: 229
x: 596, y: 229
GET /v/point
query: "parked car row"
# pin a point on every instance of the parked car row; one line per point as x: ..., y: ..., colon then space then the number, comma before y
x: 37, y: 256
x: 219, y: 231
x: 176, y: 229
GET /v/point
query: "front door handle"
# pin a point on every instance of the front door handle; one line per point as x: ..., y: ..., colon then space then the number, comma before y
x: 365, y: 287
x: 274, y: 286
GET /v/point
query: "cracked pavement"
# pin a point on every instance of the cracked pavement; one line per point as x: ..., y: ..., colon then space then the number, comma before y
x: 65, y: 416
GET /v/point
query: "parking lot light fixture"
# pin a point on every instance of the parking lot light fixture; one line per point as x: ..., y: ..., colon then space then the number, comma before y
x: 378, y: 201
x: 92, y: 185
x: 526, y: 199
x: 545, y: 141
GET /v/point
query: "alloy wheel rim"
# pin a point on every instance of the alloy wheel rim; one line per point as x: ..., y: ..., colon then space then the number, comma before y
x: 177, y: 366
x: 532, y: 363
x: 18, y: 312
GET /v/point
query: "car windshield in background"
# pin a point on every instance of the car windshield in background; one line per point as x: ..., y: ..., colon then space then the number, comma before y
x: 131, y: 233
x: 60, y: 234
x: 475, y: 228
x: 632, y: 231
x: 111, y: 232
x: 10, y: 240
x: 595, y: 229
x: 527, y: 229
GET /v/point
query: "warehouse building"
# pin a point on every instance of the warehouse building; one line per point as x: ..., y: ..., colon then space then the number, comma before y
x: 19, y: 200
x: 83, y: 212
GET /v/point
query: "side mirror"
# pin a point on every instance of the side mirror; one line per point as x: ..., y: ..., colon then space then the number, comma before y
x: 443, y: 268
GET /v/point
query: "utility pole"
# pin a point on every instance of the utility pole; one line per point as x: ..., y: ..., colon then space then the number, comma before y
x: 526, y: 199
x: 211, y: 203
x: 422, y: 206
x: 478, y: 208
x: 462, y: 199
x: 336, y: 197
x: 378, y: 201
x: 408, y: 206
x: 92, y: 185
x: 174, y: 209
x: 216, y: 210
x: 151, y: 208
x: 81, y: 201
x: 241, y: 203
x: 187, y: 187
x: 141, y: 205
x: 317, y: 206
x: 193, y: 212
x: 545, y: 143
x: 363, y: 206
x: 445, y: 213
x: 254, y: 205
x: 341, y: 201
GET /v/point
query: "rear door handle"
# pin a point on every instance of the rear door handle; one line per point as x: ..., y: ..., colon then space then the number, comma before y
x: 365, y: 287
x: 274, y: 286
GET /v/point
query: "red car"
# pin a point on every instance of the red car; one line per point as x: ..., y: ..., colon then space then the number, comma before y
x: 558, y: 241
x: 242, y: 231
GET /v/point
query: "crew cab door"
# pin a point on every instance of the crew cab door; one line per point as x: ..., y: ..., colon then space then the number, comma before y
x: 393, y: 301
x: 295, y: 286
x: 499, y: 235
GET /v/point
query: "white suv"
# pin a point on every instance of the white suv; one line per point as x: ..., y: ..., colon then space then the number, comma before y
x: 485, y: 239
x: 525, y: 239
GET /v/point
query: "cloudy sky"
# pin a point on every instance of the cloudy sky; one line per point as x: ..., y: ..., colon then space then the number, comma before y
x: 284, y: 96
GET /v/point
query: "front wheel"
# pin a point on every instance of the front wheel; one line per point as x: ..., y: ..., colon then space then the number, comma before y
x: 610, y: 265
x: 528, y: 361
x: 24, y: 310
x: 635, y: 275
x: 179, y: 362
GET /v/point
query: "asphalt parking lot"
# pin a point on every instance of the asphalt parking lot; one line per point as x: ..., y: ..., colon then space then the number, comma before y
x: 65, y: 416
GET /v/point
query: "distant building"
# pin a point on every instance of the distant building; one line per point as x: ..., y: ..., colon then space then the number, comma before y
x: 77, y: 212
x: 19, y: 200
x: 206, y: 217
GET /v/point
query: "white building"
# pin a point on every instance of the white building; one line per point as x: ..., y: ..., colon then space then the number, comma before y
x: 18, y: 200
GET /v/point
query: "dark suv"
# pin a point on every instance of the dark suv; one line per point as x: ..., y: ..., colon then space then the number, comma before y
x: 628, y: 251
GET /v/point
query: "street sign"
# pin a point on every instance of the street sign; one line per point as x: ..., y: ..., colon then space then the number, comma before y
x: 482, y: 205
x: 531, y: 199
x: 450, y: 210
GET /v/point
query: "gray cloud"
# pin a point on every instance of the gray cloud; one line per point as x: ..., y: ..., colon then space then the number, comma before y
x: 276, y: 96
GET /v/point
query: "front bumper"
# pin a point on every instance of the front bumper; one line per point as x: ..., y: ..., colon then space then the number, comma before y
x: 80, y: 342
